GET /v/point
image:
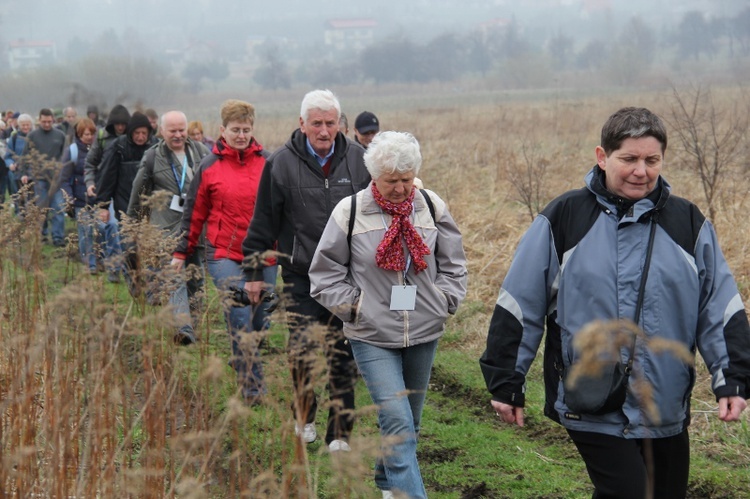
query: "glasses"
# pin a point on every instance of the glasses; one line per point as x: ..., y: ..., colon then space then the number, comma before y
x: 240, y: 131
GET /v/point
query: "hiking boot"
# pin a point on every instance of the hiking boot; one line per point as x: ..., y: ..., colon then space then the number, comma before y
x: 113, y: 276
x: 185, y: 336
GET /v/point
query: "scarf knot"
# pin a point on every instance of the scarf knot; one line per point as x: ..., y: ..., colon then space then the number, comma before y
x: 390, y: 252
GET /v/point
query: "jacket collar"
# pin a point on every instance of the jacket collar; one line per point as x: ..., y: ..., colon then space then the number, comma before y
x: 656, y: 199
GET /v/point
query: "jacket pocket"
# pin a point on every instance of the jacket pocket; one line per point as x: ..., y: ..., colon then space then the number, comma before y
x: 442, y: 297
x: 358, y: 310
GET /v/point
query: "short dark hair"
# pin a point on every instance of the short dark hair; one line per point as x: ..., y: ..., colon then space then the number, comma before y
x: 632, y: 122
x: 46, y: 112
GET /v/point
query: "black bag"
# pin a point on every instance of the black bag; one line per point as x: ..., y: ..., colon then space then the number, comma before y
x: 607, y: 391
x: 599, y: 394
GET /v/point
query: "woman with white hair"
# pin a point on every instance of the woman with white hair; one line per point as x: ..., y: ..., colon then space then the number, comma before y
x: 391, y: 265
x: 15, y: 145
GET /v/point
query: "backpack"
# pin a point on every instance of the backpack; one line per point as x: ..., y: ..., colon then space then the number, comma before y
x: 100, y: 137
x: 427, y: 200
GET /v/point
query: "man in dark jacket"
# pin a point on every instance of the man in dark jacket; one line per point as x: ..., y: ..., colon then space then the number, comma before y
x: 116, y: 125
x: 108, y: 236
x: 170, y: 167
x: 43, y: 168
x: 119, y: 167
x: 301, y: 184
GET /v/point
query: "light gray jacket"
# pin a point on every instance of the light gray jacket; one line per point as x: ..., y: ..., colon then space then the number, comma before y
x: 345, y: 279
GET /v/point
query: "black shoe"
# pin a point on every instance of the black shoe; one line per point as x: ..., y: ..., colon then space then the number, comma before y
x: 253, y: 400
x: 113, y: 276
x: 185, y: 336
x: 58, y: 243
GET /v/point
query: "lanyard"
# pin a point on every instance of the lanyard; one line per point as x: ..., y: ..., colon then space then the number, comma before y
x: 180, y: 183
x: 408, y: 254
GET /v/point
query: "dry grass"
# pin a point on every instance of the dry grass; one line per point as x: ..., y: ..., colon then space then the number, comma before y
x: 95, y: 401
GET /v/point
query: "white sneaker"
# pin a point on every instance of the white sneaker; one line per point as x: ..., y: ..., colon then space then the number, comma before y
x: 339, y: 445
x: 308, y: 434
x: 387, y: 494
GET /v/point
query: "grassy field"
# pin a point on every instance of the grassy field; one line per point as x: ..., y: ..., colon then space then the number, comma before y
x: 95, y: 400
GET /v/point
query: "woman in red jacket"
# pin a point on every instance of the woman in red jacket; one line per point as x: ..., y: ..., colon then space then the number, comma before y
x: 222, y: 198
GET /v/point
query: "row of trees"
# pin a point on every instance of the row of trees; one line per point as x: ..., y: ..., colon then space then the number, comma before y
x: 513, y: 57
x: 622, y: 57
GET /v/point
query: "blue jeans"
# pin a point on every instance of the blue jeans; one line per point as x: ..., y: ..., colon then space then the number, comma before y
x: 180, y: 299
x: 389, y: 373
x: 55, y: 204
x: 240, y: 322
x: 85, y: 220
x: 12, y: 185
x: 108, y: 239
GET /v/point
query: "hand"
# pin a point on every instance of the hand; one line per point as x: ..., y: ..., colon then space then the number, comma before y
x: 91, y: 191
x: 12, y: 167
x: 508, y: 413
x: 730, y: 408
x: 177, y: 264
x: 25, y: 179
x: 104, y: 216
x: 253, y: 290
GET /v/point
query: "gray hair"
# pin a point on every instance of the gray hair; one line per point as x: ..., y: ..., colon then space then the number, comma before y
x: 172, y: 114
x: 319, y: 99
x: 391, y: 152
x: 25, y: 117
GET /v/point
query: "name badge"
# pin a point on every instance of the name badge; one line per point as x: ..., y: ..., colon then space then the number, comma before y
x: 177, y: 204
x: 403, y: 297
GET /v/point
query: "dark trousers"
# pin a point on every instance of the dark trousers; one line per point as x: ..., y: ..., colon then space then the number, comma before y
x: 311, y: 327
x: 618, y: 467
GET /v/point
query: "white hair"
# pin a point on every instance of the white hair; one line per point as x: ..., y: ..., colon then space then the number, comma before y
x: 25, y: 117
x: 171, y: 114
x: 391, y: 152
x: 324, y: 100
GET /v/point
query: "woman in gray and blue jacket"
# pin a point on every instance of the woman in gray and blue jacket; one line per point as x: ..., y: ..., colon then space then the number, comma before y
x: 393, y: 270
x: 582, y: 260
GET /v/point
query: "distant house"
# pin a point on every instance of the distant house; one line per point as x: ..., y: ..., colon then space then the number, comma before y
x: 24, y: 54
x: 349, y: 34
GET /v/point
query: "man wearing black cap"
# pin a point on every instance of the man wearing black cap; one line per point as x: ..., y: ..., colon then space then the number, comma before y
x: 365, y: 127
x: 11, y: 124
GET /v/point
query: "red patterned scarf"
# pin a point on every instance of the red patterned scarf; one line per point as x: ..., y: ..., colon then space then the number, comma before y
x: 390, y: 253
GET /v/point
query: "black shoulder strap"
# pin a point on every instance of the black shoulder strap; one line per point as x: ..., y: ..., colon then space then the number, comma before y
x: 428, y: 200
x: 351, y: 219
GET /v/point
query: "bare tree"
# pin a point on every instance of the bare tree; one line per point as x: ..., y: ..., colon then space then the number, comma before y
x: 526, y: 174
x: 710, y: 137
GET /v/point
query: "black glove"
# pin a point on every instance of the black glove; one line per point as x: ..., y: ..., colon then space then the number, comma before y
x: 240, y: 299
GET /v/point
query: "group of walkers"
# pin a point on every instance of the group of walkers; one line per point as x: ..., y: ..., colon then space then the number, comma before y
x: 372, y: 266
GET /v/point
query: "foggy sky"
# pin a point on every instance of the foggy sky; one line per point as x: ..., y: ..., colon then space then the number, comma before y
x: 171, y: 24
